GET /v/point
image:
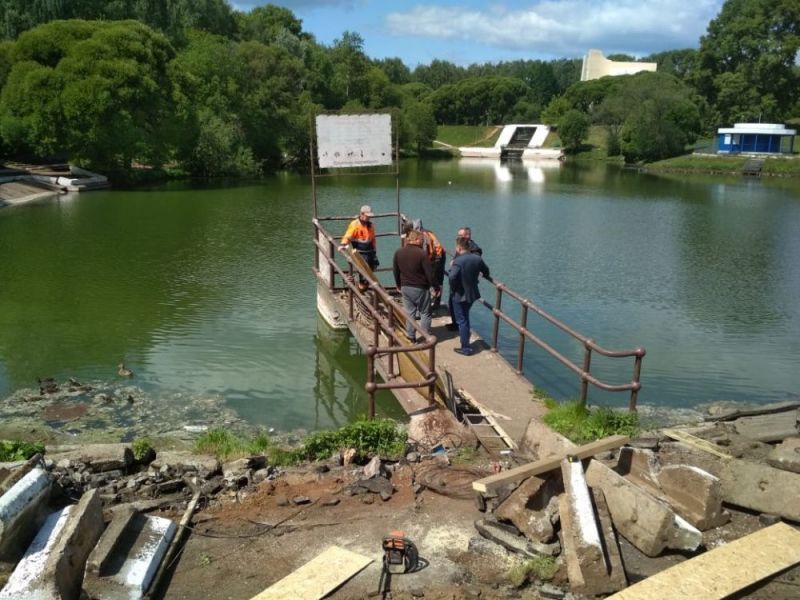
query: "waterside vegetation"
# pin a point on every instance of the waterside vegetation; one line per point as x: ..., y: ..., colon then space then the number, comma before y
x: 203, y: 89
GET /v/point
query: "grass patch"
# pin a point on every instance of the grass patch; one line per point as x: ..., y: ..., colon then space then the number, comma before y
x: 582, y: 425
x: 727, y: 164
x: 543, y: 568
x: 379, y: 436
x: 223, y: 444
x: 468, y: 135
x: 14, y: 450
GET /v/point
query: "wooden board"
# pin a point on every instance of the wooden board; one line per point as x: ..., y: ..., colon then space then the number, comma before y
x: 493, y: 482
x: 695, y: 442
x: 318, y: 577
x: 723, y: 570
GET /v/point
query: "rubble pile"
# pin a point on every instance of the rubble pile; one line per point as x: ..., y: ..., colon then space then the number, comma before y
x: 664, y: 495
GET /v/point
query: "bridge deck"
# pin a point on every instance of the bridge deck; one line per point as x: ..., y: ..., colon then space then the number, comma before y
x: 490, y: 383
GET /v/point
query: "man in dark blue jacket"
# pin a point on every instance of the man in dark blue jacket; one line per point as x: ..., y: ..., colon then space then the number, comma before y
x: 464, y: 273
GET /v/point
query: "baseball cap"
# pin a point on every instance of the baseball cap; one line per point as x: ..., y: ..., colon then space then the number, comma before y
x: 367, y: 210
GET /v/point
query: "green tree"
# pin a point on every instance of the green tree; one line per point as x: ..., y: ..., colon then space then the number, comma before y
x: 438, y: 73
x: 572, y: 129
x: 755, y: 44
x: 397, y: 72
x: 350, y: 66
x: 99, y: 91
x: 556, y: 109
x: 418, y: 125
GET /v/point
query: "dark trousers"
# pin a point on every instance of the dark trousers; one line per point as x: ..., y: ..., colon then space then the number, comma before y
x: 461, y: 318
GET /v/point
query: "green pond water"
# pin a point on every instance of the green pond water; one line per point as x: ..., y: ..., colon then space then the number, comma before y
x: 206, y: 291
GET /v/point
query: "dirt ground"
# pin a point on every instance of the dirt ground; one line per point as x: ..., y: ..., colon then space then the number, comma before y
x: 246, y: 541
x: 235, y: 552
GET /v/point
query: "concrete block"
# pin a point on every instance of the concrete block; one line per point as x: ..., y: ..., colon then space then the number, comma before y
x: 583, y: 549
x: 540, y: 442
x: 694, y: 494
x: 99, y: 557
x: 646, y: 522
x: 761, y: 488
x: 616, y: 570
x: 134, y: 560
x: 22, y: 583
x: 508, y: 538
x: 786, y: 455
x: 640, y: 465
x: 533, y: 508
x: 773, y: 427
x: 98, y: 457
x: 205, y: 466
x: 17, y: 471
x: 23, y: 508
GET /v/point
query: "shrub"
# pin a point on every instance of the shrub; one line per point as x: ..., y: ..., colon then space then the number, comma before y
x: 380, y: 436
x: 14, y: 450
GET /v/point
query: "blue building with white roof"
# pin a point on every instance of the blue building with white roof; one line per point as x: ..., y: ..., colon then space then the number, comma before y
x: 755, y: 138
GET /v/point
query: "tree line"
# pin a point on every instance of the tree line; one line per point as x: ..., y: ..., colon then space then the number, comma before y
x: 208, y: 90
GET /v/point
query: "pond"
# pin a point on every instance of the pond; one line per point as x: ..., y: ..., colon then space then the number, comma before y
x: 205, y: 291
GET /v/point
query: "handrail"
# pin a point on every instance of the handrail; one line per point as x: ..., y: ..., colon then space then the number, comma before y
x: 589, y: 345
x: 373, y: 303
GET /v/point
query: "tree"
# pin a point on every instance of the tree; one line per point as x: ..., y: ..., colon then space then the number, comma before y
x: 99, y: 91
x: 572, y: 129
x: 438, y: 73
x: 418, y: 125
x: 555, y: 110
x: 350, y: 67
x: 752, y: 44
x: 397, y: 72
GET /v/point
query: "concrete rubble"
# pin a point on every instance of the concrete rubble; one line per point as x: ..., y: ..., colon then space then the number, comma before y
x: 659, y: 495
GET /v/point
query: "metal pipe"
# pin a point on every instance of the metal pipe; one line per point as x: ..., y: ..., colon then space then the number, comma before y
x: 587, y: 365
x: 371, y: 386
x: 521, y: 350
x: 496, y: 327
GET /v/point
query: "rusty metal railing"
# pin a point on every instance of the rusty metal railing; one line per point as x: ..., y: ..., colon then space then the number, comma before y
x: 589, y: 345
x: 382, y: 311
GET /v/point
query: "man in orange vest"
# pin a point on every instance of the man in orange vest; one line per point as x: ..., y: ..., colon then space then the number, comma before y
x: 360, y: 235
x: 437, y: 256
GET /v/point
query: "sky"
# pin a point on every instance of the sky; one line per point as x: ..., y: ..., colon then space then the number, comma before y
x: 472, y: 31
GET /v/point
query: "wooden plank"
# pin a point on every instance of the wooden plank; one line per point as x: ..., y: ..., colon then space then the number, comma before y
x: 719, y: 572
x: 696, y: 442
x: 493, y: 482
x: 318, y: 577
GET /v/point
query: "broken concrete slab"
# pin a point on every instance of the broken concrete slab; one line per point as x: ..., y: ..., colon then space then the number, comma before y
x: 97, y: 457
x: 54, y: 567
x: 509, y: 539
x: 761, y: 487
x: 180, y: 461
x: 22, y: 510
x: 533, y: 508
x: 695, y: 494
x: 616, y: 569
x: 648, y: 523
x: 103, y: 551
x: 638, y: 464
x: 539, y: 442
x: 587, y: 568
x: 786, y: 455
x: 16, y: 473
x: 773, y: 427
x: 22, y: 582
x: 135, y: 557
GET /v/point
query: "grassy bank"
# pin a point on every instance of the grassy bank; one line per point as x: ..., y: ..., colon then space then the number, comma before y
x: 706, y: 163
x: 468, y: 135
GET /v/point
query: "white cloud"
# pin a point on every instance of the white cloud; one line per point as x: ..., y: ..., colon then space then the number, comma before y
x: 565, y: 27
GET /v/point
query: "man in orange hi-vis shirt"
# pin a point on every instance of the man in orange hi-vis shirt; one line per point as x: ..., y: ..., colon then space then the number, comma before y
x: 360, y: 235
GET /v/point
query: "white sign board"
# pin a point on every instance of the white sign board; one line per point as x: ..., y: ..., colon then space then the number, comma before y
x: 354, y: 140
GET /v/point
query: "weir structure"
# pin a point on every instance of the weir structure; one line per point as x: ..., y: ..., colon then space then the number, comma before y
x: 484, y: 391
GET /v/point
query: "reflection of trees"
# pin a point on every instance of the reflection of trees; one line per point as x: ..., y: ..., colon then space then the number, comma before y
x: 340, y: 371
x: 331, y: 352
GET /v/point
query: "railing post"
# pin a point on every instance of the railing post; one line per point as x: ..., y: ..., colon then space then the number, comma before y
x: 331, y: 261
x: 350, y: 300
x: 587, y: 365
x: 637, y: 372
x: 432, y: 369
x: 498, y: 301
x: 521, y: 350
x: 371, y: 386
x: 392, y: 342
